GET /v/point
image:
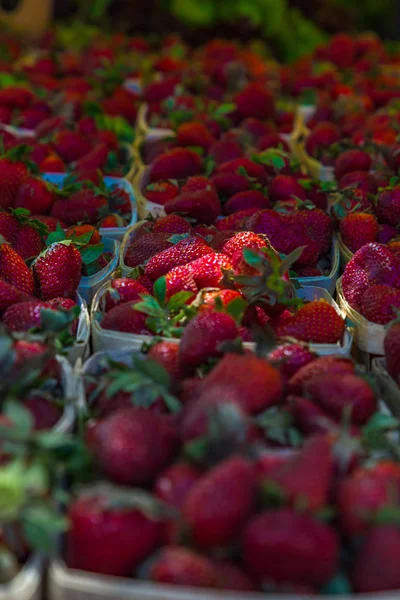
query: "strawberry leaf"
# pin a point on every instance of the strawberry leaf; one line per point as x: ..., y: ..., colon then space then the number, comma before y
x: 160, y: 290
x: 236, y: 309
x: 209, y: 165
x: 225, y: 109
x: 91, y: 253
x: 178, y: 300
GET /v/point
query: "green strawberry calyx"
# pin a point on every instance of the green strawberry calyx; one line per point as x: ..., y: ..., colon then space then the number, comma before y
x: 89, y: 253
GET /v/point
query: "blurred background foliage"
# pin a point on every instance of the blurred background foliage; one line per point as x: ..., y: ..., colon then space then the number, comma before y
x: 292, y: 27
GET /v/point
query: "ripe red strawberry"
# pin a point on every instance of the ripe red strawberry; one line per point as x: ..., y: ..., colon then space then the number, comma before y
x: 181, y: 253
x: 95, y: 159
x: 167, y: 355
x: 175, y: 565
x: 272, y: 140
x: 228, y: 184
x: 388, y: 206
x: 28, y: 241
x: 232, y: 577
x: 52, y: 164
x: 172, y: 224
x: 10, y: 295
x: 255, y: 101
x: 223, y: 151
x: 361, y: 179
x: 71, y: 145
x: 57, y: 271
x: 174, y: 484
x: 194, y: 134
x: 250, y: 169
x: 309, y: 418
x: 271, y: 549
x: 236, y: 221
x: 202, y: 205
x: 318, y: 225
x: 8, y: 226
x: 245, y: 200
x: 133, y: 457
x: 24, y: 315
x: 386, y: 234
x: 145, y: 246
x: 44, y: 412
x: 366, y: 491
x: 375, y: 567
x: 245, y: 239
x: 379, y: 302
x: 332, y: 366
x: 50, y: 222
x: 291, y: 357
x: 207, y: 270
x: 47, y: 127
x: 323, y: 135
x: 202, y: 337
x: 210, y: 299
x: 358, y: 229
x: 212, y: 521
x: 35, y: 195
x: 352, y: 160
x: 392, y: 346
x: 123, y: 290
x: 180, y: 279
x: 85, y: 205
x: 283, y: 187
x: 16, y: 97
x: 337, y: 395
x: 178, y: 163
x: 108, y: 535
x: 161, y: 191
x: 307, y: 477
x: 12, y: 174
x: 123, y: 317
x: 309, y: 272
x: 316, y: 322
x: 14, y: 270
x: 262, y: 387
x: 342, y: 50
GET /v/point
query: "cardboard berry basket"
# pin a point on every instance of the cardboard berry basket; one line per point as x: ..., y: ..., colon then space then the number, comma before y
x: 105, y: 339
x: 88, y: 286
x: 27, y: 585
x: 116, y: 233
x: 368, y: 336
x: 314, y: 167
x: 345, y: 254
x: 327, y: 282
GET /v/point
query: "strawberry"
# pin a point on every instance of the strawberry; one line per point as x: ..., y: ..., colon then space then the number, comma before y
x: 245, y: 239
x: 35, y: 195
x: 378, y: 303
x: 50, y: 222
x: 290, y: 357
x: 323, y: 135
x: 10, y: 295
x: 232, y: 577
x: 180, y: 279
x: 52, y: 164
x: 202, y: 205
x: 95, y: 159
x: 358, y: 229
x: 318, y: 225
x: 272, y: 140
x: 13, y: 173
x: 194, y: 134
x: 337, y: 395
x: 47, y: 127
x: 9, y: 226
x: 145, y: 246
x: 375, y: 567
x: 84, y: 205
x: 391, y: 347
x: 366, y: 491
x: 212, y: 521
x: 178, y: 163
x: 342, y: 50
x: 174, y: 484
x: 262, y: 387
x: 255, y: 101
x: 283, y: 187
x: 133, y: 458
x: 181, y: 566
x: 108, y: 534
x: 160, y: 192
x: 246, y: 167
x: 309, y: 418
x: 352, y: 160
x: 70, y: 145
x: 211, y: 299
x: 123, y: 317
x: 111, y: 221
x: 223, y: 151
x: 24, y: 315
x: 57, y: 271
x: 272, y: 552
x: 123, y: 290
x: 331, y: 366
x: 172, y: 224
x: 167, y: 355
x: 16, y: 97
x: 245, y: 200
x: 316, y: 322
x: 201, y: 339
x: 309, y: 272
x: 388, y: 206
x: 14, y: 270
x: 181, y: 253
x: 362, y: 180
x: 229, y: 184
x: 45, y: 414
x: 306, y: 478
x: 207, y: 270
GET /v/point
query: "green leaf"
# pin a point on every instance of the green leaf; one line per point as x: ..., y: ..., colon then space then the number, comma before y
x: 160, y: 290
x: 149, y: 306
x: 20, y: 416
x: 177, y: 301
x: 236, y: 309
x: 252, y: 258
x: 225, y: 109
x: 41, y: 526
x: 91, y: 253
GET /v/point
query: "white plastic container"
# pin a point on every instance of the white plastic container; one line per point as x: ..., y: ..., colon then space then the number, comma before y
x: 116, y: 233
x: 106, y: 339
x: 368, y: 336
x: 81, y: 346
x: 69, y: 386
x: 327, y: 282
x: 88, y: 286
x: 145, y: 208
x: 388, y: 388
x: 27, y: 585
x: 345, y: 254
